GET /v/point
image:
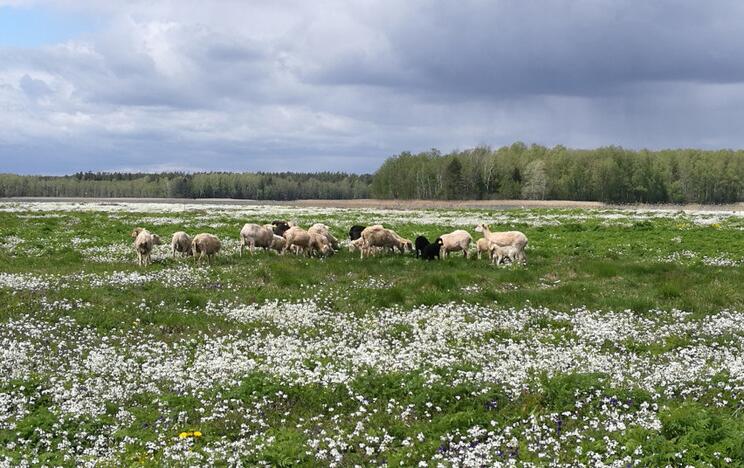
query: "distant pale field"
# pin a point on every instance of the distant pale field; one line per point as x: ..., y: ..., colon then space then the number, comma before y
x: 619, y: 344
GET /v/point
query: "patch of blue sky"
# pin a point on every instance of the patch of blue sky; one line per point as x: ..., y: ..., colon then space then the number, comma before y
x: 37, y: 26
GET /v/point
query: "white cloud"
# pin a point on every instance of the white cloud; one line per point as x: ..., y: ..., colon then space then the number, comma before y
x: 340, y: 86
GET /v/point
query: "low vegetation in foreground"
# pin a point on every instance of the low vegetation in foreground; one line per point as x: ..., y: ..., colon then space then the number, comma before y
x: 619, y: 344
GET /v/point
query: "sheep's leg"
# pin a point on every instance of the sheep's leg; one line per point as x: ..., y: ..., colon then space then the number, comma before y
x: 242, y: 244
x: 253, y: 246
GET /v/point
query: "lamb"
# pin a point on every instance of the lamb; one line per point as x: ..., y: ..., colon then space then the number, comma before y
x: 296, y: 236
x: 143, y: 243
x: 254, y: 236
x: 323, y: 230
x: 355, y: 232
x: 278, y: 243
x: 432, y: 251
x: 482, y: 246
x: 515, y: 239
x: 455, y: 241
x: 421, y: 242
x: 181, y: 242
x: 357, y: 244
x: 205, y: 244
x: 498, y: 253
x: 377, y: 236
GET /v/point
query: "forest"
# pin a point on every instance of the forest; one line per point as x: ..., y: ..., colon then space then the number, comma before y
x: 253, y: 186
x: 608, y: 174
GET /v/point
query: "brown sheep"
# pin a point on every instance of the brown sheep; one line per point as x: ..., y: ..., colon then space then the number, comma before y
x: 143, y: 243
x: 296, y: 236
x: 181, y: 242
x: 205, y: 245
x: 254, y: 236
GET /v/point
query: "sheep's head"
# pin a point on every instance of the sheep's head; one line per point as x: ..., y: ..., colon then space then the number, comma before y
x: 481, y: 227
x: 439, y: 241
x: 135, y: 232
x: 156, y: 239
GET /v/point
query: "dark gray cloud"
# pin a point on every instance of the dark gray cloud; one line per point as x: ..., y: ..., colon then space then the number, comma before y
x: 340, y: 86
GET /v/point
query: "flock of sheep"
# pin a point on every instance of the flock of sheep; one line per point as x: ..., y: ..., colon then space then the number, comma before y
x: 283, y: 236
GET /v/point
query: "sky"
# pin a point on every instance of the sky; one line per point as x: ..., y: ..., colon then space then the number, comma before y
x: 186, y: 85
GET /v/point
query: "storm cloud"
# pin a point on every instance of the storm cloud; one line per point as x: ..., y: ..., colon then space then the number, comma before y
x: 328, y: 85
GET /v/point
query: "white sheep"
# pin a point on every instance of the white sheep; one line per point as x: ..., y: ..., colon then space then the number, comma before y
x: 254, y: 235
x: 181, y: 242
x: 205, y: 245
x: 515, y: 239
x: 456, y: 241
x: 143, y: 243
x: 499, y: 253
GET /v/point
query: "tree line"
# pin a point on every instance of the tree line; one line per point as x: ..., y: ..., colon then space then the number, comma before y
x: 254, y: 186
x: 609, y: 174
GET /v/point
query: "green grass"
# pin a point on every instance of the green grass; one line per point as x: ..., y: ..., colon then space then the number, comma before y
x: 577, y: 264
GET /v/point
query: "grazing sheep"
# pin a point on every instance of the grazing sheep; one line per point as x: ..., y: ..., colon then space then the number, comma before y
x: 323, y: 230
x: 356, y: 232
x: 278, y: 243
x: 254, y: 236
x: 432, y: 251
x: 143, y: 243
x: 377, y: 236
x: 280, y: 227
x: 482, y: 246
x: 181, y: 242
x: 456, y: 241
x: 356, y: 244
x: 420, y: 242
x: 319, y: 244
x: 515, y: 239
x: 205, y: 244
x: 296, y: 236
x: 498, y: 253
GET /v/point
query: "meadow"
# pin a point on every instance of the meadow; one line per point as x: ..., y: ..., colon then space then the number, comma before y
x: 618, y: 344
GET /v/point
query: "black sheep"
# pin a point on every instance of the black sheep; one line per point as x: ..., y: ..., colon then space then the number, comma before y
x: 431, y: 251
x: 356, y: 232
x: 420, y: 243
x: 280, y: 227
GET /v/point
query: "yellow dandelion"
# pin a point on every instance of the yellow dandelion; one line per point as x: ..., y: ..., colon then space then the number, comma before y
x: 197, y: 434
x: 183, y: 435
x: 715, y: 226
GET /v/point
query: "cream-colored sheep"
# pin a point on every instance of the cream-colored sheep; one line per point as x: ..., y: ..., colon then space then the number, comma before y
x: 181, y: 242
x: 482, y: 246
x: 323, y: 230
x: 515, y: 239
x: 278, y: 243
x: 498, y: 253
x: 296, y: 236
x: 456, y: 241
x: 254, y: 236
x: 377, y: 236
x: 143, y: 243
x: 319, y: 244
x: 205, y: 244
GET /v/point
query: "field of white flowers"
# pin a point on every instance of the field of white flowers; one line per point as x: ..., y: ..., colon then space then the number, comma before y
x: 619, y: 344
